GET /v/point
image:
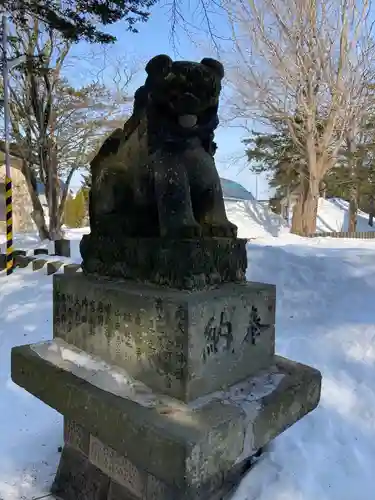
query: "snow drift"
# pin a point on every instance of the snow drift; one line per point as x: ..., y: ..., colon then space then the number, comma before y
x: 333, y: 215
x: 254, y: 220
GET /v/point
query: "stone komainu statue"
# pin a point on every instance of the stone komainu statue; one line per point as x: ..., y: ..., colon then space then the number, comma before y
x: 157, y: 177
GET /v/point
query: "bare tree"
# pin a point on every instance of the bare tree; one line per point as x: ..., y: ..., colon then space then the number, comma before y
x: 56, y: 127
x: 304, y: 64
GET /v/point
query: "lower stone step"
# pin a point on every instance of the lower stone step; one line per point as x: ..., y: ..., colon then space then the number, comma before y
x: 123, y: 441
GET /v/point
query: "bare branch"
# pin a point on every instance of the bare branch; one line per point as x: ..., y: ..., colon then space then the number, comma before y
x: 55, y: 126
x: 304, y: 65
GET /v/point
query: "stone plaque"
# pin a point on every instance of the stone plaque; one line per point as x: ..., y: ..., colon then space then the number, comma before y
x: 179, y: 343
x: 117, y: 467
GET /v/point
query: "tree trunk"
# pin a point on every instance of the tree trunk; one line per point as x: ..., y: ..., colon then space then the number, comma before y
x: 371, y: 214
x: 297, y: 217
x: 52, y: 190
x: 306, y: 208
x: 323, y: 190
x: 38, y: 217
x: 38, y: 213
x: 310, y: 207
x: 353, y: 208
x: 352, y: 163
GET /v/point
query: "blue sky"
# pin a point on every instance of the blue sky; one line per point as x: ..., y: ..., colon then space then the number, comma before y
x: 154, y: 38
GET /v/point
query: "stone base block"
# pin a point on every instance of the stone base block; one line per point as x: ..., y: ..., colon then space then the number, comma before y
x: 53, y: 266
x: 72, y: 268
x: 38, y: 264
x: 62, y: 247
x: 188, y: 264
x: 184, y: 344
x: 154, y: 446
x: 19, y: 252
x: 115, y: 478
x: 22, y: 261
x: 41, y: 251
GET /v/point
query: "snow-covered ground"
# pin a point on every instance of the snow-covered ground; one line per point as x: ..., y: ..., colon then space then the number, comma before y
x: 333, y: 216
x: 254, y: 220
x: 30, y: 241
x: 325, y: 318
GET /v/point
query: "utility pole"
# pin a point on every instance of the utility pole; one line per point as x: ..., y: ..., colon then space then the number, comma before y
x: 6, y: 66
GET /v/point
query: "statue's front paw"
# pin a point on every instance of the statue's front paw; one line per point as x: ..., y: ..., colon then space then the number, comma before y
x: 231, y: 230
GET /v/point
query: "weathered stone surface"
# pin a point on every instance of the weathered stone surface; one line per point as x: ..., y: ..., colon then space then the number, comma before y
x: 179, y: 343
x: 186, y: 264
x: 62, y: 247
x: 53, y: 266
x: 185, y: 446
x: 99, y: 482
x: 78, y: 479
x: 41, y: 251
x: 118, y: 467
x: 21, y: 260
x: 118, y: 492
x: 71, y: 268
x: 76, y: 437
x: 19, y: 252
x: 157, y: 177
x: 38, y: 264
x: 129, y: 481
x: 156, y: 205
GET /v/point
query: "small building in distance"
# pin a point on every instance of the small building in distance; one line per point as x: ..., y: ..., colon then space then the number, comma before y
x: 234, y: 191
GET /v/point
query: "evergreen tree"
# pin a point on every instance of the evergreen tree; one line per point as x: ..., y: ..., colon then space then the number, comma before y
x: 275, y: 155
x: 80, y: 208
x: 80, y: 20
x: 69, y: 211
x: 75, y: 210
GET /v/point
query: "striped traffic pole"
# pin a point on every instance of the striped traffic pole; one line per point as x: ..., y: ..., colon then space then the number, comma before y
x: 9, y: 225
x: 8, y: 180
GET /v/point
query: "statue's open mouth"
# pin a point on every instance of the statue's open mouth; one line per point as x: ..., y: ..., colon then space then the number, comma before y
x: 187, y: 121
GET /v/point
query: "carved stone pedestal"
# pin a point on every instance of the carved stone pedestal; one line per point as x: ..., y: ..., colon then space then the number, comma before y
x: 187, y: 263
x: 166, y: 394
x: 89, y: 469
x: 123, y: 441
x: 180, y: 343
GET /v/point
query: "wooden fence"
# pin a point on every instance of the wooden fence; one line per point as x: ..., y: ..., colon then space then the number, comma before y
x: 360, y: 235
